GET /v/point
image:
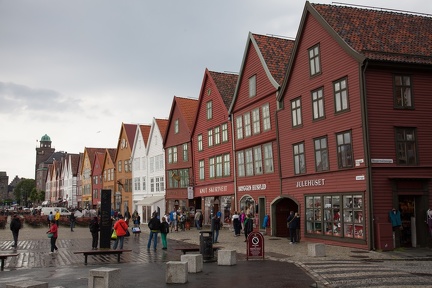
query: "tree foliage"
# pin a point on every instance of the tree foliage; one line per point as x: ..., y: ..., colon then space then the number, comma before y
x: 23, y: 191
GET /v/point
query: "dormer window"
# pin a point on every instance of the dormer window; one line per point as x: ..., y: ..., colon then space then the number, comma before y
x: 314, y: 60
x: 252, y: 86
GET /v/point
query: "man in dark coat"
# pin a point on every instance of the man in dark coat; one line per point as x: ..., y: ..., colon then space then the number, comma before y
x: 293, y: 223
x: 15, y: 226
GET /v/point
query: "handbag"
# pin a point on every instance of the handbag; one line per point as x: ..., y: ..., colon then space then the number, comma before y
x: 50, y: 235
x: 127, y: 233
x: 114, y: 235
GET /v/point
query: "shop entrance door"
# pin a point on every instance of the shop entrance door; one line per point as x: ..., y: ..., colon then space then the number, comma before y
x: 407, y: 210
x: 282, y: 209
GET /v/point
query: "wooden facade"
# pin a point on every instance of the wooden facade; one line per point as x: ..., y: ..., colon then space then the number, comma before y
x: 351, y: 172
x: 258, y: 186
x: 212, y: 147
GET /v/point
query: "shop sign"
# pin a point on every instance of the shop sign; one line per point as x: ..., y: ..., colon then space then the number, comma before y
x: 213, y: 189
x: 255, y: 245
x: 308, y: 183
x: 382, y: 161
x: 190, y: 192
x: 255, y: 187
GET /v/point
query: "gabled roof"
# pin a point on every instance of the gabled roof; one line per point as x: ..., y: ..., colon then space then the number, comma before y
x: 187, y: 108
x: 163, y: 125
x: 130, y: 130
x: 91, y: 154
x: 379, y: 34
x: 74, y: 162
x: 145, y: 131
x: 274, y: 54
x: 226, y: 84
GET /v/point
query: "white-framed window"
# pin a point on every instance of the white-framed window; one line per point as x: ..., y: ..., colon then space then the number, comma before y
x: 239, y: 127
x: 185, y: 152
x: 200, y: 142
x: 209, y: 110
x: 240, y: 164
x: 249, y: 162
x: 175, y: 154
x: 268, y: 158
x: 258, y: 160
x: 137, y: 183
x: 402, y: 92
x: 256, y: 121
x: 252, y: 86
x: 219, y: 166
x: 152, y: 164
x: 265, y: 109
x: 144, y: 183
x: 201, y: 170
x: 217, y: 135
x: 152, y: 185
x: 170, y: 155
x: 212, y: 167
x: 247, y: 125
x: 176, y: 126
x: 344, y: 150
x: 210, y: 137
x: 227, y: 165
x: 225, y: 132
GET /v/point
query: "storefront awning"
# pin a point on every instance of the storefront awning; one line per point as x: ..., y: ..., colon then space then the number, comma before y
x: 150, y: 200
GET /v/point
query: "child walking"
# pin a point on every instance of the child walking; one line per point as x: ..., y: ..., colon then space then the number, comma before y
x: 164, y: 231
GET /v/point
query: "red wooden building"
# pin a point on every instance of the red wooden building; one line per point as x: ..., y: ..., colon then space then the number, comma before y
x: 212, y: 146
x: 356, y: 126
x: 178, y: 154
x: 252, y: 113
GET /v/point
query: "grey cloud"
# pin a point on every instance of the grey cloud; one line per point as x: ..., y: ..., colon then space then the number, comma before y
x: 18, y: 98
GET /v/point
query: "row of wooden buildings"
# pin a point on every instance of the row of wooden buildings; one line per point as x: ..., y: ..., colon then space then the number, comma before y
x: 334, y: 125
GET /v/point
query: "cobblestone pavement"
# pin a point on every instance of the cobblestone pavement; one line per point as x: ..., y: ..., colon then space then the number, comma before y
x: 341, y: 267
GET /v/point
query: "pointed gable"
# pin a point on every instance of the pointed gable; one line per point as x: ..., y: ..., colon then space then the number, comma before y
x: 74, y: 162
x: 130, y: 130
x: 273, y: 54
x: 225, y: 83
x: 91, y: 152
x: 379, y: 34
x: 162, y: 124
x: 187, y: 108
x: 145, y: 131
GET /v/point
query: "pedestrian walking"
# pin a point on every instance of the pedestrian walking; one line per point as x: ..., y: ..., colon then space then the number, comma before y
x: 292, y: 226
x: 248, y: 226
x: 54, y: 235
x: 154, y: 226
x: 15, y: 226
x: 242, y: 219
x: 197, y: 219
x: 120, y: 228
x: 50, y: 218
x: 164, y: 229
x: 236, y: 224
x: 94, y: 230
x: 72, y: 220
x: 57, y: 217
x: 216, y: 228
x: 173, y: 220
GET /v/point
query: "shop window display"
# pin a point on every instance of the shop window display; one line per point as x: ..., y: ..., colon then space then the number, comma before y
x: 335, y: 215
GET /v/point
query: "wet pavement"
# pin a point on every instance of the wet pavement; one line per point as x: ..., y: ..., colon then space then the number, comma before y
x: 284, y: 265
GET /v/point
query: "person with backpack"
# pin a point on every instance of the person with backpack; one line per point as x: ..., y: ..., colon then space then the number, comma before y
x: 154, y: 226
x: 94, y: 230
x: 15, y: 226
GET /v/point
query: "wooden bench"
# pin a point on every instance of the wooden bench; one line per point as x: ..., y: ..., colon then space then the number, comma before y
x: 3, y: 257
x: 102, y: 252
x: 193, y: 249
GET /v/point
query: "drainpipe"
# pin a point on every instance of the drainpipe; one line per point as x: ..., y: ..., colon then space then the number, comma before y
x: 273, y: 217
x: 230, y: 118
x: 371, y: 240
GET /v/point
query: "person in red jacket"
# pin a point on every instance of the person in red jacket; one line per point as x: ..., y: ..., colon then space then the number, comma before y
x: 120, y: 227
x: 54, y: 231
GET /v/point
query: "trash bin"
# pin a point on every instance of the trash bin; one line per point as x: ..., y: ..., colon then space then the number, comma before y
x: 206, y: 245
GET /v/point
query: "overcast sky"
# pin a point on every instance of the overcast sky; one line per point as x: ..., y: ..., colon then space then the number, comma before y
x: 77, y: 69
